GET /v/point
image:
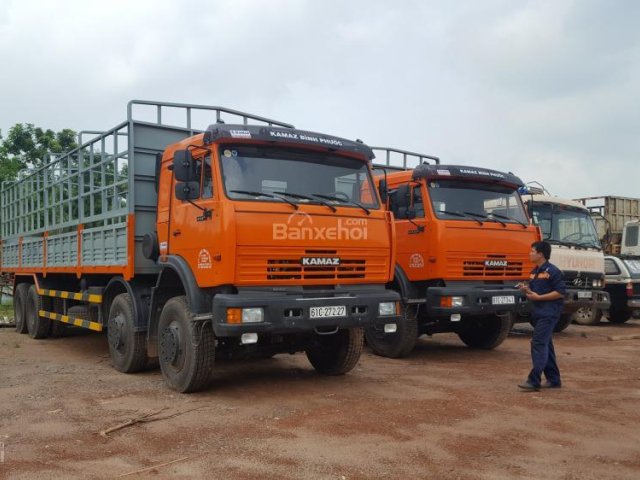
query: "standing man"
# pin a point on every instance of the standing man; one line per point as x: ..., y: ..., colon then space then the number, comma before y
x: 546, y: 293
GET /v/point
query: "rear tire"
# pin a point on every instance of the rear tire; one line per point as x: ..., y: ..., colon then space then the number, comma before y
x: 19, y: 307
x: 563, y: 323
x: 485, y: 332
x: 619, y: 316
x: 186, y: 349
x: 398, y: 344
x: 587, y: 316
x: 37, y: 326
x: 336, y: 354
x: 127, y: 347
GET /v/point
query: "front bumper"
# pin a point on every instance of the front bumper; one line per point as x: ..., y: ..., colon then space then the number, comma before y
x: 633, y: 303
x: 579, y: 298
x: 289, y: 311
x: 478, y: 300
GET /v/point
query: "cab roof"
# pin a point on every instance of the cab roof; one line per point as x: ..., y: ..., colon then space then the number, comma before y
x: 289, y: 136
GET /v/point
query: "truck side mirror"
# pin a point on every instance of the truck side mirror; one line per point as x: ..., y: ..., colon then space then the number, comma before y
x: 382, y: 189
x: 401, y: 197
x: 187, y: 190
x: 184, y: 167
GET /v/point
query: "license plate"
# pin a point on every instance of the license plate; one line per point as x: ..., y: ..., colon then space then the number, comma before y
x: 585, y: 294
x: 503, y: 300
x: 324, y: 312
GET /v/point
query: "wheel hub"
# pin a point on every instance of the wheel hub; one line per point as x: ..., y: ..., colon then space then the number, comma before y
x: 170, y: 344
x: 116, y: 334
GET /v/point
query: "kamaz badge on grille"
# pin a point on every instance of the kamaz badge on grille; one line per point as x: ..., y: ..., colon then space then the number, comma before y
x: 496, y: 263
x: 320, y: 261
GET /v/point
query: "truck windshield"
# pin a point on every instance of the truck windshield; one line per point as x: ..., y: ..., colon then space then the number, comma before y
x: 273, y: 174
x: 566, y: 225
x: 474, y: 201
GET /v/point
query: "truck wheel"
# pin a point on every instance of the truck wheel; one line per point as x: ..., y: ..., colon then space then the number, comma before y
x: 485, y: 332
x: 336, y: 354
x: 563, y: 323
x: 587, y: 316
x: 19, y: 307
x: 127, y: 347
x: 619, y: 316
x: 37, y: 326
x: 186, y: 349
x: 398, y: 344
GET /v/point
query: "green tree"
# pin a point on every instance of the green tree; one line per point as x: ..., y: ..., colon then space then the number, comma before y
x: 26, y: 146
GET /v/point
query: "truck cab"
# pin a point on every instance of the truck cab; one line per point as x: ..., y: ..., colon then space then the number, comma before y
x: 631, y: 239
x: 575, y: 248
x: 285, y: 238
x: 463, y: 239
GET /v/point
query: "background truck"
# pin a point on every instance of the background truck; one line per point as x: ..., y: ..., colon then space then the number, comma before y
x: 463, y: 242
x: 610, y: 215
x: 247, y: 239
x: 576, y: 250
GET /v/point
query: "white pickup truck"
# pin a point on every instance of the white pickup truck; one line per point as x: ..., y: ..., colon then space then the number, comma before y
x: 623, y: 285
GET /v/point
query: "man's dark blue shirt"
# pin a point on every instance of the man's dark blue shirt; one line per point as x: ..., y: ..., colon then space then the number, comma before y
x: 545, y: 279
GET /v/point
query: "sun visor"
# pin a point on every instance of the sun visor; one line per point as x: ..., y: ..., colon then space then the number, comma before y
x: 430, y: 172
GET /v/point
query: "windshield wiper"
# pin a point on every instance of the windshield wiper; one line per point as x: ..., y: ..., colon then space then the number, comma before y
x: 509, y: 218
x: 476, y: 215
x: 307, y: 197
x: 487, y: 217
x: 461, y: 214
x: 342, y: 200
x: 268, y: 195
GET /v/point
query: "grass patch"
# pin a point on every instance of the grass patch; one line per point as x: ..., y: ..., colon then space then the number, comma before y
x: 6, y: 311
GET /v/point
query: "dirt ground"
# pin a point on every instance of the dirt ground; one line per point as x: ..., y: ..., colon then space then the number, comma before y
x: 445, y: 412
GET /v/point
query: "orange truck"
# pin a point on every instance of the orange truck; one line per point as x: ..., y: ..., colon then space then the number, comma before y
x: 247, y: 239
x: 463, y: 239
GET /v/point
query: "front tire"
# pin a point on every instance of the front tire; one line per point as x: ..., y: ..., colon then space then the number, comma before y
x: 587, y: 316
x: 485, y: 332
x: 127, y: 347
x: 37, y: 326
x: 338, y: 353
x: 19, y: 307
x: 187, y: 349
x: 398, y: 344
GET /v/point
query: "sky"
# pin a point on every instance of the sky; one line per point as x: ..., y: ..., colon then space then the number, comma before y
x: 548, y: 90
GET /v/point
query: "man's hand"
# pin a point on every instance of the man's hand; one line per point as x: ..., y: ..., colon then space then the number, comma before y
x: 533, y: 296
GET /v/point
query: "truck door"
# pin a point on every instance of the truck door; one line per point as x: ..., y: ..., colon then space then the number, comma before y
x: 411, y: 239
x: 193, y: 234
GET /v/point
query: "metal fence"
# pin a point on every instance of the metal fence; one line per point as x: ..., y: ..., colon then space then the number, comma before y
x: 97, y: 186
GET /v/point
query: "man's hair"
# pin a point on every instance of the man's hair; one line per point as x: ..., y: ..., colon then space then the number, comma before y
x: 542, y: 247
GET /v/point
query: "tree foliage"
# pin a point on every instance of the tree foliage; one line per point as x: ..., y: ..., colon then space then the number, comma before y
x: 27, y: 146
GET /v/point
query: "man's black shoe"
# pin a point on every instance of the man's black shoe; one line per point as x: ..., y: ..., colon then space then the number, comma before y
x: 551, y: 385
x: 528, y: 387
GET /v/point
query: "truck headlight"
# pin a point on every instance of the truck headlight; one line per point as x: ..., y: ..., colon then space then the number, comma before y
x: 252, y: 315
x: 449, y: 302
x: 386, y: 308
x: 597, y: 283
x: 245, y: 315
